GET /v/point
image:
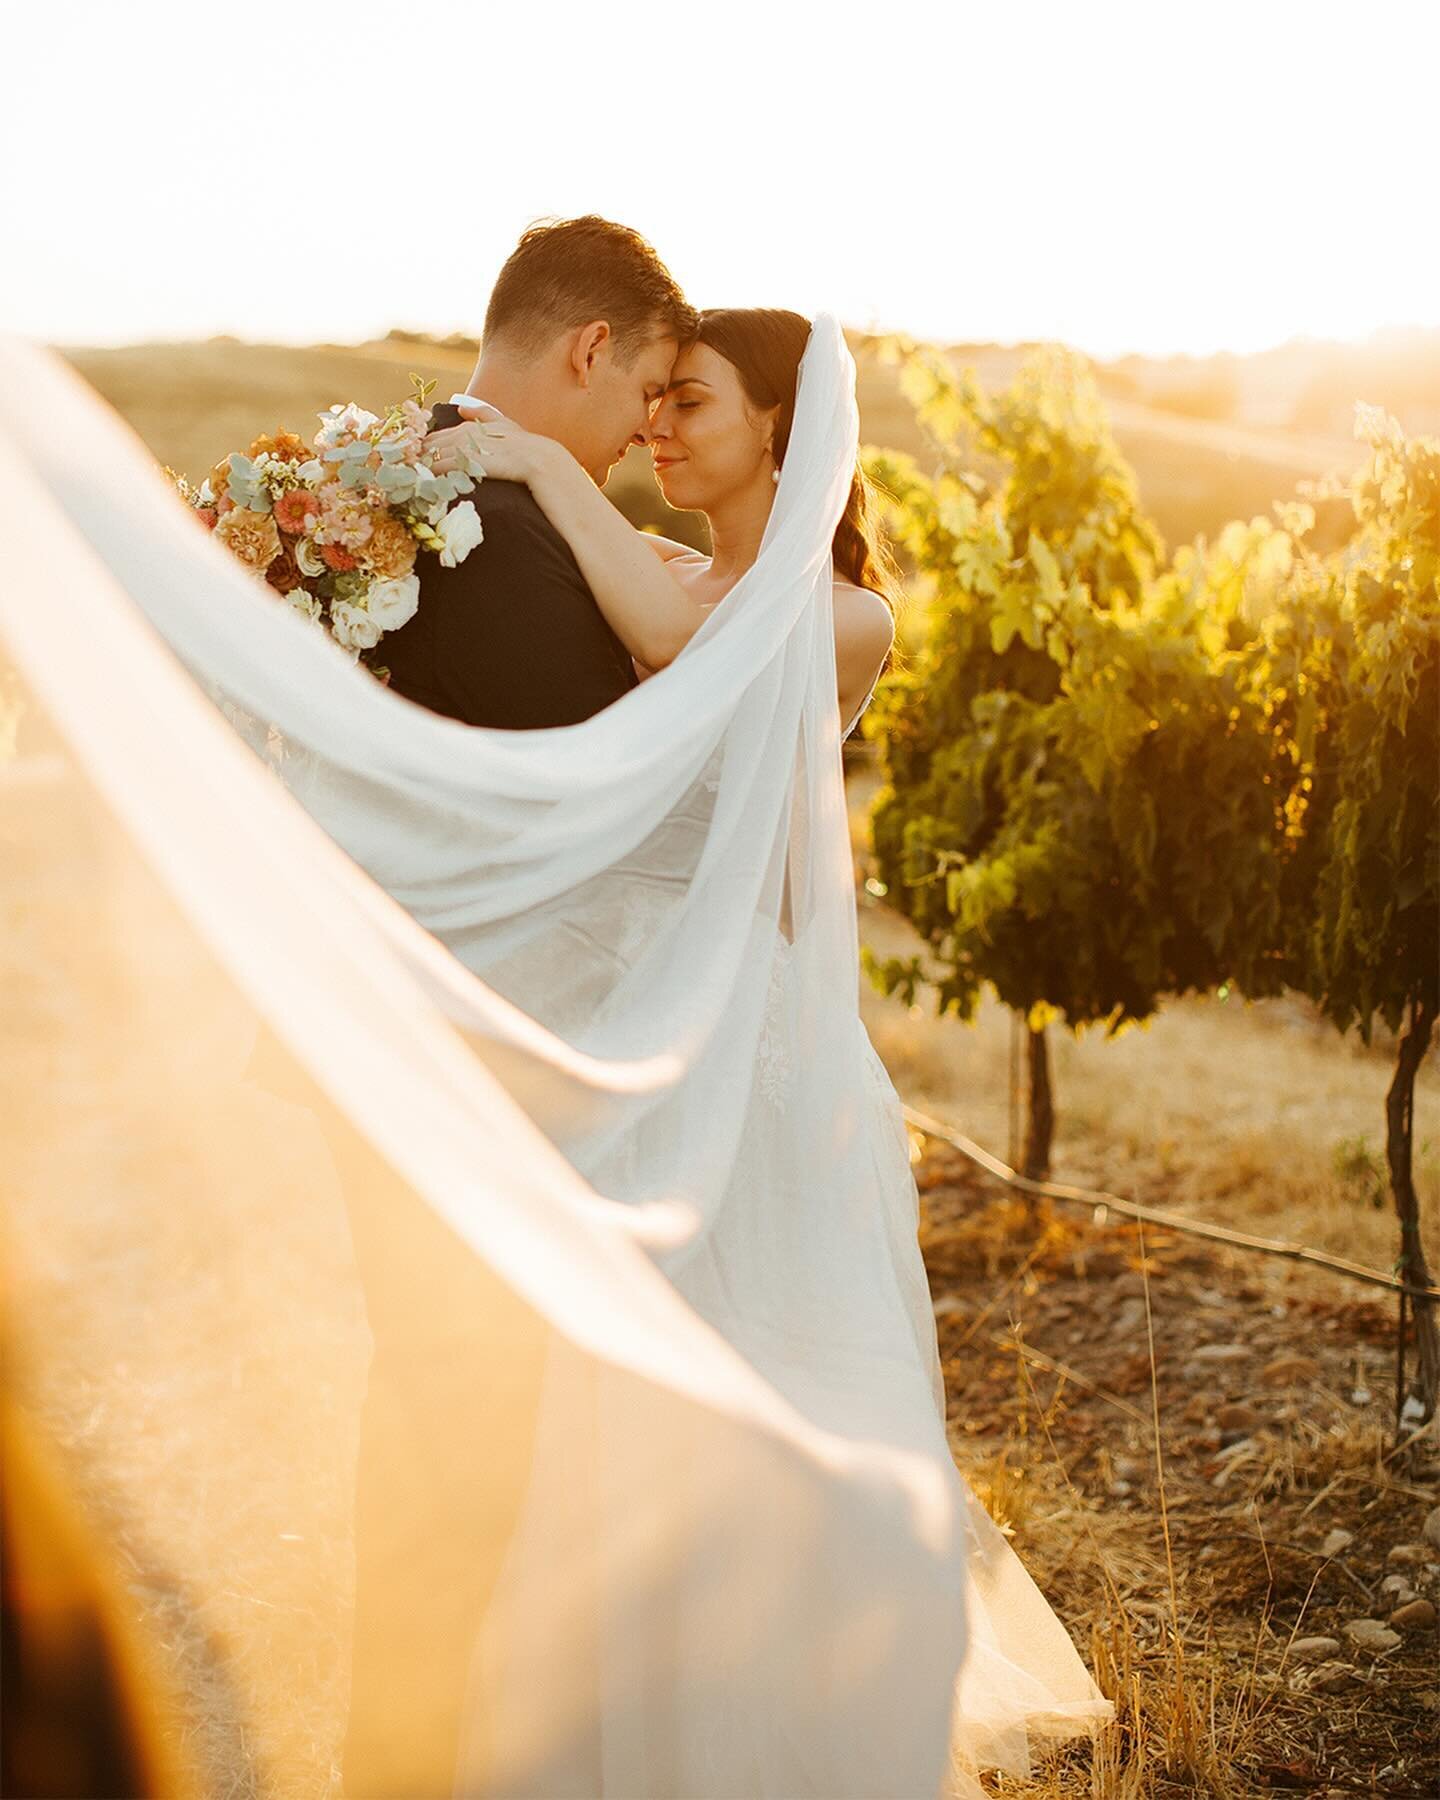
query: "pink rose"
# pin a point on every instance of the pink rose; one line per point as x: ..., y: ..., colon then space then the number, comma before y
x: 344, y: 517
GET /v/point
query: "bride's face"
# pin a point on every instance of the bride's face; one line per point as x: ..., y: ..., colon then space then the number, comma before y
x: 707, y: 441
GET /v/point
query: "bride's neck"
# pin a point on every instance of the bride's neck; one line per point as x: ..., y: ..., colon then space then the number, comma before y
x: 736, y: 527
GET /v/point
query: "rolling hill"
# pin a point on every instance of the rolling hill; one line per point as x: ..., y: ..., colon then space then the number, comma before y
x: 191, y: 402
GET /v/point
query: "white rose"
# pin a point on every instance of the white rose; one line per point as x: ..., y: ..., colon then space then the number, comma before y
x: 308, y: 605
x: 308, y: 559
x: 461, y: 531
x: 392, y: 604
x: 353, y: 627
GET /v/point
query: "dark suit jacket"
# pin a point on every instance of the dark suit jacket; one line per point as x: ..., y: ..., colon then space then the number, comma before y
x: 512, y: 637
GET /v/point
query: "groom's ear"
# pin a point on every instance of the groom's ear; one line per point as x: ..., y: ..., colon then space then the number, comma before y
x: 585, y: 348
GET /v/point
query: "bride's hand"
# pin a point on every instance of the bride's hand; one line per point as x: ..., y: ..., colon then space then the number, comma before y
x: 505, y: 450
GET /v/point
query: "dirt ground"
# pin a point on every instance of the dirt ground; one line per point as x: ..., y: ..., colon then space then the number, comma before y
x: 1213, y: 1519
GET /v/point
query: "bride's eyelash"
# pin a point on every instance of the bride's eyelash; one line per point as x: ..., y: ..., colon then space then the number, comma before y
x: 686, y: 405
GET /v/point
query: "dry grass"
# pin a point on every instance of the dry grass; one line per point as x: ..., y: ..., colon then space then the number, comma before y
x: 1185, y: 1559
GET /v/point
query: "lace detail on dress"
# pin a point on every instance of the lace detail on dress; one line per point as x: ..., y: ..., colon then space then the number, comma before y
x: 774, y: 1068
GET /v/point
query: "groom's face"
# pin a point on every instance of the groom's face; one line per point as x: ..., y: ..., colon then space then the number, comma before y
x: 619, y: 396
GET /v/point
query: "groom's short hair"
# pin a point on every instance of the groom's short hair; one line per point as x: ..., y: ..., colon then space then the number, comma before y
x: 566, y: 272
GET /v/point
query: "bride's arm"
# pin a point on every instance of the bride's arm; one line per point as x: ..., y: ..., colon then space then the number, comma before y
x: 648, y: 610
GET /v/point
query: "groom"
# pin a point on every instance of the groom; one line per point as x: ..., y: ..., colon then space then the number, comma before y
x: 581, y: 331
x: 582, y: 328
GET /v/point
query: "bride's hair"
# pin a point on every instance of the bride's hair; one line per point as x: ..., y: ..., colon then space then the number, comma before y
x: 765, y: 345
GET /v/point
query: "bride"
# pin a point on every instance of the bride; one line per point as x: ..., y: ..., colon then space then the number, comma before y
x: 710, y: 1514
x: 778, y: 1265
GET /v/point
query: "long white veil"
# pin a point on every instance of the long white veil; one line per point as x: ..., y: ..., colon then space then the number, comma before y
x: 606, y: 1218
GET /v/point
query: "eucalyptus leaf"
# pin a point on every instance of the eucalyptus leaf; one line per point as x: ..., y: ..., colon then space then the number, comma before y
x: 395, y: 479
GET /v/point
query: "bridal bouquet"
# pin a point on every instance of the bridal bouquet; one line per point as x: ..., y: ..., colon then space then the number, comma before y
x: 335, y: 529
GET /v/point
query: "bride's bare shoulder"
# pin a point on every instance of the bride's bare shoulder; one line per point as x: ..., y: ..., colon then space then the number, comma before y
x: 864, y: 618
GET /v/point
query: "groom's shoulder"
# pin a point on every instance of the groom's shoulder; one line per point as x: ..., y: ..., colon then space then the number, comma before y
x: 511, y: 502
x: 514, y: 529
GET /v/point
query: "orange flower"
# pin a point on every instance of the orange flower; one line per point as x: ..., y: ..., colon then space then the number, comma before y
x: 285, y: 446
x: 341, y: 561
x: 249, y: 535
x: 296, y: 511
x: 391, y: 549
x: 219, y: 478
x: 282, y: 574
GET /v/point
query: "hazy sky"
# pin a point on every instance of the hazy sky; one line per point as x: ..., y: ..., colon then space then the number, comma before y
x: 1157, y: 176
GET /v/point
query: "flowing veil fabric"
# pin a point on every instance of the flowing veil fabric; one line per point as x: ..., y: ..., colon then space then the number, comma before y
x: 553, y: 1036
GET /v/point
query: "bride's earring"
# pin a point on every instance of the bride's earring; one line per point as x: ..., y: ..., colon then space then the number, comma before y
x: 776, y: 478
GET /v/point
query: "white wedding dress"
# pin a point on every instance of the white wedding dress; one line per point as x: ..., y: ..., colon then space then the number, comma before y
x: 635, y: 1181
